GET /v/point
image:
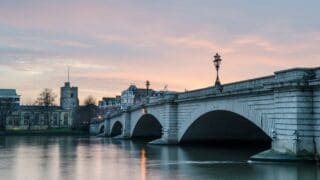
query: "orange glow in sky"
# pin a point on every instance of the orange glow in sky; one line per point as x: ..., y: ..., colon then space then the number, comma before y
x: 110, y: 45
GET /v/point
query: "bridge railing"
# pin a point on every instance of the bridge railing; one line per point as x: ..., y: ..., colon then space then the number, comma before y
x: 248, y: 84
x: 114, y: 113
x: 230, y: 87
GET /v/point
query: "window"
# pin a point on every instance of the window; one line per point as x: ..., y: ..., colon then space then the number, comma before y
x: 41, y: 120
x: 71, y: 95
x: 36, y: 119
x: 26, y: 119
x: 55, y: 119
x: 65, y: 119
x: 16, y: 121
x: 10, y: 122
x: 46, y: 117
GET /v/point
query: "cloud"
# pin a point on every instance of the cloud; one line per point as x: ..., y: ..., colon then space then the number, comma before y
x: 112, y: 44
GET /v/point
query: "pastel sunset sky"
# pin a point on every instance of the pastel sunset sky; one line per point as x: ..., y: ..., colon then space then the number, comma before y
x: 111, y: 44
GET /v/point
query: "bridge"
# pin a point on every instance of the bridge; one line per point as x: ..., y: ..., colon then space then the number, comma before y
x: 282, y: 109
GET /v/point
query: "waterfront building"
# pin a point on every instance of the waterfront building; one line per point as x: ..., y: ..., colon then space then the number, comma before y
x: 9, y: 101
x: 9, y: 96
x: 39, y: 118
x: 43, y: 117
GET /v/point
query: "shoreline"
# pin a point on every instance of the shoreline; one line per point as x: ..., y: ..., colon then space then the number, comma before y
x: 48, y: 132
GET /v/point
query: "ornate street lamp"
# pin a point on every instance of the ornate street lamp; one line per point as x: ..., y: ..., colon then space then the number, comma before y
x: 217, y: 62
x: 147, y: 85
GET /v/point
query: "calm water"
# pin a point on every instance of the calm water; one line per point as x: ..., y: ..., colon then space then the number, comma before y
x: 51, y: 158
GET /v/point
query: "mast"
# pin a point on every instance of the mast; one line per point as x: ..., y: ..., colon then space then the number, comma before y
x: 68, y: 74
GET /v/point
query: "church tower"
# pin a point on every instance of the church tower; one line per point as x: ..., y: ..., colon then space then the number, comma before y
x: 69, y: 96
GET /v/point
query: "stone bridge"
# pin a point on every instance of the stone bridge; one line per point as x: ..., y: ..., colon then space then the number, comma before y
x: 283, y: 109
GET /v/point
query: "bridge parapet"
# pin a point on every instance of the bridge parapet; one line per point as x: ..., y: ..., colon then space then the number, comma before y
x: 257, y: 84
x: 114, y: 114
x: 295, y: 74
x: 298, y: 75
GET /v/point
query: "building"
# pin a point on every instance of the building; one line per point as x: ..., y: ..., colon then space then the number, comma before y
x: 108, y: 105
x: 134, y: 95
x: 44, y: 117
x: 39, y: 118
x: 69, y: 97
x: 9, y: 101
x: 9, y: 96
x: 107, y: 102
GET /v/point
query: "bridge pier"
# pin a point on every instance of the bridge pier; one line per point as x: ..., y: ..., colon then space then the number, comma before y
x: 125, y: 118
x: 107, y: 128
x: 170, y: 123
x: 295, y: 125
x: 126, y: 133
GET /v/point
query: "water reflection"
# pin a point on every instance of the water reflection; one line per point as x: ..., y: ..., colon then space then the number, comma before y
x: 143, y: 164
x: 82, y: 158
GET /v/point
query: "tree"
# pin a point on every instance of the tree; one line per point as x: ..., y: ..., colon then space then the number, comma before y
x: 84, y: 114
x: 46, y: 98
x: 90, y: 101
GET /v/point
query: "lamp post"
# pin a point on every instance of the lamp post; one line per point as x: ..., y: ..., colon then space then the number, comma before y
x: 147, y: 85
x: 217, y: 62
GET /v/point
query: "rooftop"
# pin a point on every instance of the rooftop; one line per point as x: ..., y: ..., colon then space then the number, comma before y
x: 8, y: 93
x: 23, y: 107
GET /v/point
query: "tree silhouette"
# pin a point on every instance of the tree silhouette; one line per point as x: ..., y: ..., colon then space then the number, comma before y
x: 46, y: 98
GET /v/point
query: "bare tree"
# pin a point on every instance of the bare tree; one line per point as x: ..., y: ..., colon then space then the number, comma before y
x: 90, y: 105
x: 46, y: 98
x: 84, y: 114
x: 90, y: 100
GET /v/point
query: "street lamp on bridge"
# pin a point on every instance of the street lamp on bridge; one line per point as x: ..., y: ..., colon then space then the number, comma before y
x: 147, y: 86
x: 217, y: 62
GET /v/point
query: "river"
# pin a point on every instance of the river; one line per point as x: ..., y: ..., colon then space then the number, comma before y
x: 91, y: 158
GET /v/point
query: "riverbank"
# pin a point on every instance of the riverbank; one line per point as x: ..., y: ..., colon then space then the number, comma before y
x: 47, y: 132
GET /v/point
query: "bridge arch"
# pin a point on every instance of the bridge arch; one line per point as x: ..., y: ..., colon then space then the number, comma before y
x: 116, y: 129
x: 226, y: 121
x: 147, y: 126
x: 102, y: 129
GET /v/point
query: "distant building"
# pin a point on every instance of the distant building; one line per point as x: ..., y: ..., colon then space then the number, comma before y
x: 107, y: 102
x: 39, y: 118
x: 69, y: 97
x: 9, y: 96
x: 134, y: 95
x: 44, y: 117
x: 129, y: 97
x: 108, y: 105
x: 9, y: 101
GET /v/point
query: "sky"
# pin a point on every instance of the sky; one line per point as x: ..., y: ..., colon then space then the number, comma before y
x: 109, y: 45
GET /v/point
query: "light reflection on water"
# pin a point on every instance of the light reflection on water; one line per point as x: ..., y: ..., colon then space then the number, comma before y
x: 143, y: 164
x: 84, y: 158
